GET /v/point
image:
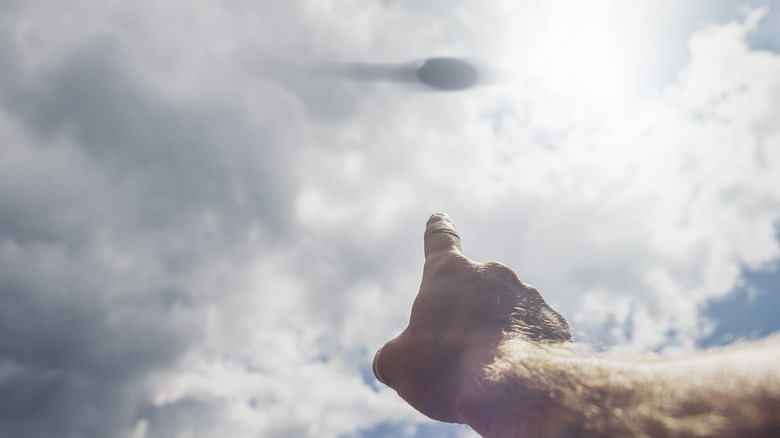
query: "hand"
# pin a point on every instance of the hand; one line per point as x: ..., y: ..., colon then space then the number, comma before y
x: 463, y: 312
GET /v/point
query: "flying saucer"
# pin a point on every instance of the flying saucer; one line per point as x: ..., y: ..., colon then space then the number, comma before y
x: 441, y: 73
x: 451, y: 74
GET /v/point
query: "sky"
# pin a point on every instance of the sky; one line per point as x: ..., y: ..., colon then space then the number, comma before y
x: 202, y: 237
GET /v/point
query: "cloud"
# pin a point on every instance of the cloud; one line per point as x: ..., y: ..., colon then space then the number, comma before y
x: 119, y: 200
x: 199, y: 238
x: 136, y: 208
x: 702, y: 160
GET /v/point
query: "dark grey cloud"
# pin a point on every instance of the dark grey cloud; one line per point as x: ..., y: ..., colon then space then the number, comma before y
x: 186, y: 156
x: 120, y: 195
x: 77, y: 371
x: 73, y: 349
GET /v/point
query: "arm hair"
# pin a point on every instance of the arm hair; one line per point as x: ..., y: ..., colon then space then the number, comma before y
x: 556, y: 390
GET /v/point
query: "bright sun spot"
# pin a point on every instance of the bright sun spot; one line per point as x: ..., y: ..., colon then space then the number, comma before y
x: 577, y: 54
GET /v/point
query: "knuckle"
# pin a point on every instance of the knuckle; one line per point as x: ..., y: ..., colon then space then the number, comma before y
x: 384, y: 364
x: 375, y: 366
x: 507, y: 276
x: 501, y: 272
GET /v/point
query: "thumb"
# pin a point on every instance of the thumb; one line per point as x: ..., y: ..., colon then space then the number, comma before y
x: 440, y: 235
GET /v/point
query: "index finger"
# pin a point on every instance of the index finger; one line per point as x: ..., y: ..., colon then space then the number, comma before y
x: 440, y: 235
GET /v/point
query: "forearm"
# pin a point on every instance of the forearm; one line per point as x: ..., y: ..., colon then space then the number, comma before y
x: 532, y: 390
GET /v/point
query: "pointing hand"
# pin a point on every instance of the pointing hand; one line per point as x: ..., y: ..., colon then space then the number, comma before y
x: 462, y: 312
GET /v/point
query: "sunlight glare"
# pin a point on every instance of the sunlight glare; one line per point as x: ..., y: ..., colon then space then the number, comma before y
x: 577, y: 55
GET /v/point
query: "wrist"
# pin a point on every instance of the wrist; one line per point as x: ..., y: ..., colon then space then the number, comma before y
x: 514, y: 397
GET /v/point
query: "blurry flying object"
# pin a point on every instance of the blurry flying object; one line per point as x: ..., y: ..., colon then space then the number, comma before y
x: 444, y: 74
x: 447, y: 74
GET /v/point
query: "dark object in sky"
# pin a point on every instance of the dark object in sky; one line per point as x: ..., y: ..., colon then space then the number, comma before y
x: 444, y: 74
x: 447, y: 74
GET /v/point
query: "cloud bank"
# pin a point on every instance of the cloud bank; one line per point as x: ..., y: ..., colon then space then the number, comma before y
x: 199, y: 238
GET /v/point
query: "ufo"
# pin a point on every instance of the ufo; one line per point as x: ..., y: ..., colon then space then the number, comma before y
x: 439, y: 73
x: 448, y: 74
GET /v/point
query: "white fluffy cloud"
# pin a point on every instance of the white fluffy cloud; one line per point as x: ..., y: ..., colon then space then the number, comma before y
x: 200, y: 238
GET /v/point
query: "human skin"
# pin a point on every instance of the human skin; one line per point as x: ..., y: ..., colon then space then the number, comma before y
x: 484, y: 349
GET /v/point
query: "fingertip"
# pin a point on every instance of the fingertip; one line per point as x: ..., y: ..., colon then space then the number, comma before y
x: 440, y: 235
x: 440, y: 217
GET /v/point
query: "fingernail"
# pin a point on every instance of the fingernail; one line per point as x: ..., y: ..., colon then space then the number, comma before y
x: 441, y: 216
